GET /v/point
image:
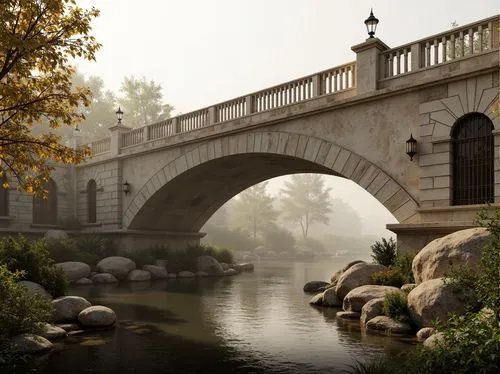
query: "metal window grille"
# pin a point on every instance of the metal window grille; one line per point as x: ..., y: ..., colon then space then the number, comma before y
x: 91, y: 202
x: 473, y: 160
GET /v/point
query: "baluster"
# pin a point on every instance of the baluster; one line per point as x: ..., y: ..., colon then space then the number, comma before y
x: 461, y: 44
x: 353, y: 69
x: 391, y: 64
x: 471, y: 41
x: 398, y: 62
x: 490, y: 34
x: 436, y: 51
x: 405, y: 60
x: 480, y: 37
x: 452, y: 47
x: 443, y: 48
x: 335, y: 80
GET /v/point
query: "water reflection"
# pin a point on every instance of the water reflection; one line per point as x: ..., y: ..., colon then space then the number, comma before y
x: 252, y: 323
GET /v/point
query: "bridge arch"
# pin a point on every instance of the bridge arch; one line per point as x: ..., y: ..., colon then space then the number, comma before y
x: 202, y: 179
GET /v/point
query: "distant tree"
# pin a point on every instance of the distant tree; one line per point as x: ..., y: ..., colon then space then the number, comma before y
x: 142, y: 102
x: 305, y: 200
x: 278, y: 238
x: 37, y: 41
x: 253, y: 210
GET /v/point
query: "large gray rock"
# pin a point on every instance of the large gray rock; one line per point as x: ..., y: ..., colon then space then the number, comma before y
x: 84, y: 282
x: 35, y: 288
x: 317, y: 299
x: 314, y: 286
x: 116, y: 265
x: 459, y: 248
x: 425, y: 332
x: 348, y: 315
x: 185, y: 274
x: 330, y: 298
x: 104, y: 278
x: 209, y: 265
x: 157, y: 272
x: 51, y: 332
x: 335, y: 277
x: 30, y: 343
x: 433, y: 299
x: 67, y: 308
x: 372, y: 309
x: 408, y: 287
x: 359, y: 296
x: 434, y: 340
x: 139, y: 276
x: 97, y: 316
x: 357, y: 275
x: 74, y: 270
x: 246, y: 266
x: 55, y: 234
x: 388, y: 325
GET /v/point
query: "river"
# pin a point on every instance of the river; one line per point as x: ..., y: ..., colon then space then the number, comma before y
x: 257, y: 322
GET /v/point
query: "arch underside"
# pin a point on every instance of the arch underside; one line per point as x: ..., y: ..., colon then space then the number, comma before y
x: 182, y: 196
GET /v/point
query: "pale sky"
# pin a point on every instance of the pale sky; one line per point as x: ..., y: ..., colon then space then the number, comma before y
x: 207, y: 51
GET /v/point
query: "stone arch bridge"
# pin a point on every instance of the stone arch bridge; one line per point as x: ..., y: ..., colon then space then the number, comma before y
x: 350, y: 121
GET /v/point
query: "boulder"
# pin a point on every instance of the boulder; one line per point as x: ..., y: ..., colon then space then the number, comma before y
x: 348, y: 315
x: 357, y: 275
x: 35, y: 288
x: 459, y: 248
x: 209, y: 265
x: 231, y: 272
x: 236, y: 267
x: 171, y: 275
x: 157, y: 272
x: 52, y: 332
x: 408, y: 287
x: 433, y: 299
x: 97, y: 316
x: 116, y: 265
x: 67, y: 308
x: 425, y: 332
x: 201, y: 274
x: 434, y: 340
x: 68, y: 326
x: 246, y: 266
x: 55, y: 234
x: 225, y: 266
x: 372, y: 309
x: 359, y: 296
x: 30, y: 343
x: 104, y: 278
x: 335, y: 277
x: 388, y: 325
x: 317, y: 299
x: 314, y: 286
x: 186, y: 274
x: 139, y: 276
x: 74, y: 270
x: 84, y: 282
x: 330, y: 298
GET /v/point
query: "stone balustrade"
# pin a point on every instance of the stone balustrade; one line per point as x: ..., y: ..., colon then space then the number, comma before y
x: 463, y: 41
x: 133, y: 137
x: 100, y: 146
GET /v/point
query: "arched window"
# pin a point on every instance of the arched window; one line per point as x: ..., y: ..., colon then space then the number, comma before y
x: 45, y: 210
x: 91, y: 202
x: 473, y: 160
x: 4, y: 198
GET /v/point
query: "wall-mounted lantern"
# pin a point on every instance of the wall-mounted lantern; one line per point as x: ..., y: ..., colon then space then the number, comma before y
x: 119, y: 115
x: 411, y: 147
x: 126, y: 187
x: 371, y: 24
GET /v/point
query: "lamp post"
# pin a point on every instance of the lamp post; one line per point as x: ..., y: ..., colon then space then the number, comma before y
x: 119, y: 115
x: 371, y: 24
x: 411, y: 147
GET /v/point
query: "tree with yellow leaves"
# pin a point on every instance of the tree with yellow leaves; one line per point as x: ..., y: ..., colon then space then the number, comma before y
x: 37, y: 40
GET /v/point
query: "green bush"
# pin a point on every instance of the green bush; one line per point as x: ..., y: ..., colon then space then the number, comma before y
x: 384, y: 253
x: 88, y: 248
x: 221, y: 254
x: 395, y: 307
x: 403, y: 264
x: 388, y: 278
x: 20, y: 312
x: 33, y: 258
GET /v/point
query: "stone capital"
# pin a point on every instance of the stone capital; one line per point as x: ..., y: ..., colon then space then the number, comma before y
x: 369, y: 44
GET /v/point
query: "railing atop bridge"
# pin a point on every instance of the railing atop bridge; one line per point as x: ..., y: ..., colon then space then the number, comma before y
x: 464, y: 41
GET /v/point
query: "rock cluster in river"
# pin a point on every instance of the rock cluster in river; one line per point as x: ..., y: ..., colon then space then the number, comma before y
x: 70, y: 315
x: 431, y: 297
x: 117, y: 268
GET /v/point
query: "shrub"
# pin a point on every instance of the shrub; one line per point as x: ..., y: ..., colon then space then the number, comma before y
x: 388, y: 278
x: 395, y: 307
x: 403, y: 264
x: 278, y: 239
x: 384, y: 253
x: 32, y: 257
x: 20, y: 312
x: 221, y: 254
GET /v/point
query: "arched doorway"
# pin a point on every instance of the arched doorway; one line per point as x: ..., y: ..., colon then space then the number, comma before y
x: 45, y: 210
